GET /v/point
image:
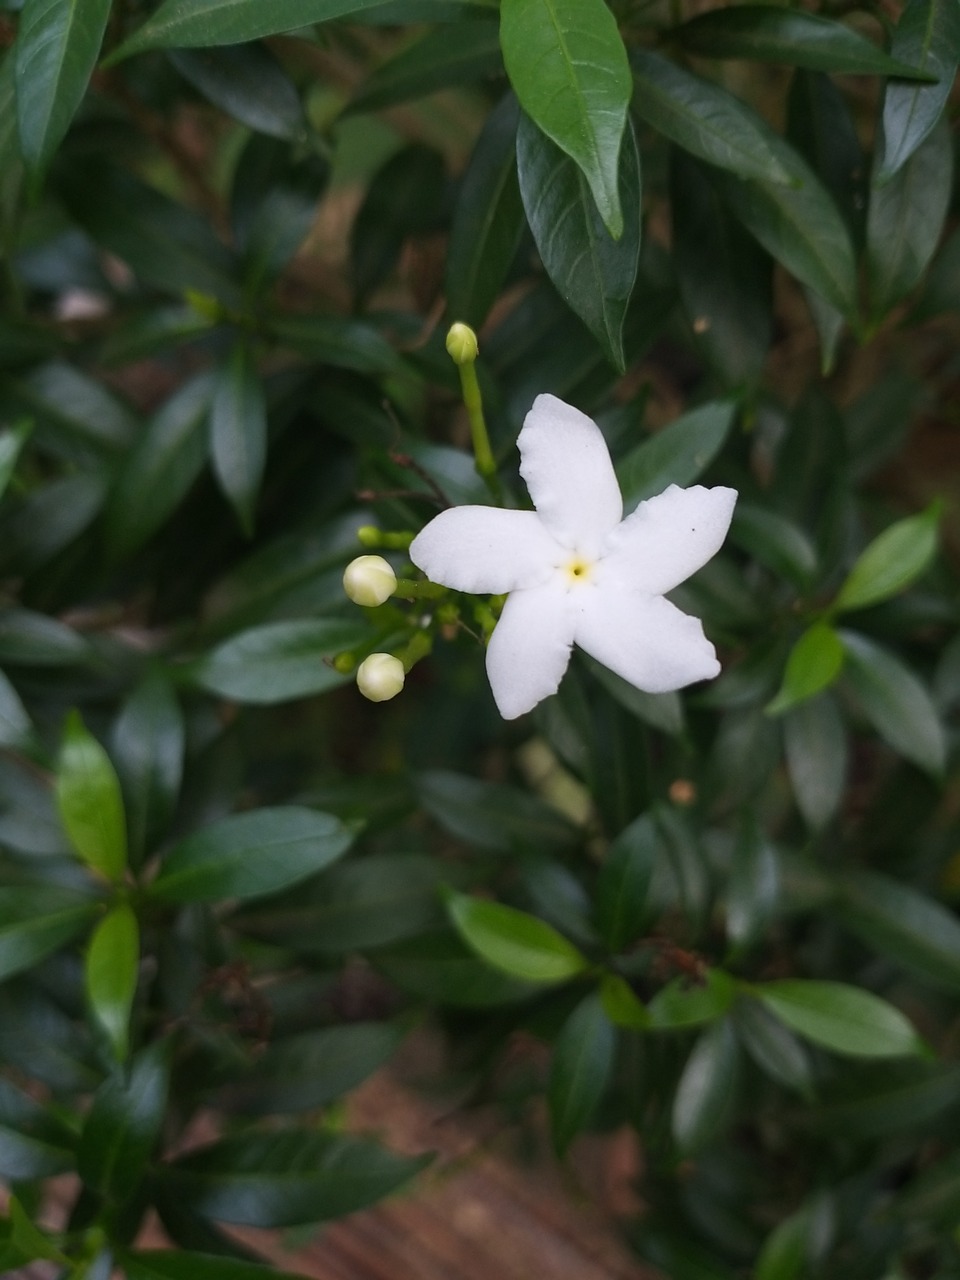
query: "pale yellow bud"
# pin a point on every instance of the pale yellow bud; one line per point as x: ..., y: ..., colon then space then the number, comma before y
x: 380, y: 677
x: 369, y: 580
x: 462, y: 344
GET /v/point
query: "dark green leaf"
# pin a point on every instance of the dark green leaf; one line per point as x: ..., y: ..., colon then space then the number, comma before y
x: 706, y: 120
x: 57, y: 47
x: 569, y: 69
x: 767, y: 34
x: 160, y: 468
x: 622, y: 910
x: 753, y: 887
x: 15, y: 727
x: 12, y: 441
x: 820, y: 125
x: 123, y: 1124
x: 249, y: 84
x: 248, y: 855
x: 491, y: 815
x: 583, y: 1055
x: 89, y: 801
x: 706, y: 1091
x: 895, y: 702
x: 49, y: 519
x: 662, y: 711
x: 75, y: 416
x: 592, y: 272
x: 285, y: 1178
x: 111, y: 973
x: 622, y: 1005
x: 776, y: 542
x: 814, y: 663
x: 684, y: 1004
x: 439, y: 967
x: 446, y: 58
x: 842, y: 1018
x: 37, y: 920
x: 928, y: 37
x: 773, y: 1047
x: 487, y: 219
x: 32, y: 1144
x: 891, y: 561
x: 191, y: 24
x: 26, y: 1239
x: 238, y: 433
x: 888, y: 1097
x: 679, y: 454
x: 905, y: 219
x: 519, y: 944
x: 280, y: 661
x: 816, y: 749
x: 148, y: 744
x: 345, y: 344
x: 161, y: 1265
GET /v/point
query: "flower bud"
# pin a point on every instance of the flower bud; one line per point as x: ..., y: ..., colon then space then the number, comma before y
x: 462, y: 344
x: 380, y: 677
x: 369, y: 580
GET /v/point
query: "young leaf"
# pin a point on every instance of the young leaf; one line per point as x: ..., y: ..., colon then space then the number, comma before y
x: 519, y: 944
x: 583, y: 1057
x: 815, y: 743
x: 249, y: 855
x: 840, y: 1017
x: 238, y: 433
x: 592, y: 272
x: 110, y: 975
x: 89, y: 801
x: 706, y: 1091
x: 928, y: 37
x: 684, y: 1004
x: 569, y: 69
x: 814, y: 663
x: 124, y: 1123
x: 892, y: 561
x: 56, y: 50
x: 622, y: 909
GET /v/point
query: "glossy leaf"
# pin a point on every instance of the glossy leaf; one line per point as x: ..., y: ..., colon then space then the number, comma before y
x: 280, y: 660
x: 895, y: 702
x: 345, y: 344
x: 706, y: 120
x: 583, y: 1056
x: 753, y: 887
x: 685, y: 1003
x: 814, y: 663
x: 820, y: 125
x: 15, y: 727
x: 622, y: 909
x: 148, y: 745
x: 34, y: 921
x: 439, y: 967
x: 110, y: 975
x: 706, y: 1091
x: 592, y: 272
x: 248, y: 855
x: 56, y: 50
x: 288, y: 1177
x: 488, y: 219
x: 89, y: 801
x: 238, y: 434
x: 568, y: 68
x: 845, y: 1019
x: 191, y: 24
x: 445, y: 58
x: 520, y: 944
x: 776, y: 542
x: 815, y: 742
x: 492, y: 816
x: 12, y: 440
x: 622, y: 1005
x: 679, y: 454
x: 928, y: 37
x: 124, y: 1123
x: 892, y: 561
x: 905, y: 220
x: 773, y: 1047
x: 802, y: 39
x: 249, y: 84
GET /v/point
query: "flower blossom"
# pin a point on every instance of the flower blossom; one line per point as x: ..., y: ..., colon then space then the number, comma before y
x: 576, y: 571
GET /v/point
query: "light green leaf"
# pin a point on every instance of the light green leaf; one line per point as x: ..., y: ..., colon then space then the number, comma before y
x: 592, y: 272
x: 583, y: 1057
x: 57, y: 46
x: 519, y: 944
x: 814, y: 663
x: 110, y: 975
x: 569, y: 69
x: 89, y: 801
x: 840, y: 1017
x: 682, y: 1003
x: 892, y: 561
x: 622, y: 1005
x: 679, y: 454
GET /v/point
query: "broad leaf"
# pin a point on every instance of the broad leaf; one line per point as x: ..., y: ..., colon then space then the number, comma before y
x: 622, y: 909
x: 123, y: 1124
x: 706, y: 1091
x: 110, y: 975
x: 15, y: 727
x: 814, y: 663
x: 842, y: 1018
x: 682, y: 1003
x: 280, y: 660
x: 89, y: 801
x: 679, y: 454
x: 148, y: 745
x: 891, y: 561
x: 815, y: 743
x: 520, y: 944
x: 776, y: 542
x: 248, y: 855
x: 568, y: 67
x: 448, y: 57
x: 593, y: 273
x: 249, y: 84
x: 583, y: 1056
x: 37, y: 920
x: 491, y: 815
x: 238, y: 433
x: 753, y: 887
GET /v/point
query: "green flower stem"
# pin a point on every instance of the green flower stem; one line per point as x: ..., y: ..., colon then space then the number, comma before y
x: 482, y: 453
x: 421, y: 642
x: 407, y: 589
x: 370, y: 536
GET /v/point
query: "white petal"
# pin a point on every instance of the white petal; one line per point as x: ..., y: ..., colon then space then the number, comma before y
x: 530, y: 648
x: 669, y: 537
x: 567, y: 467
x: 645, y: 639
x: 485, y: 549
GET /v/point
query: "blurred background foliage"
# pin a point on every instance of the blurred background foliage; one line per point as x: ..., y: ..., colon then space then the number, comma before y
x: 233, y: 235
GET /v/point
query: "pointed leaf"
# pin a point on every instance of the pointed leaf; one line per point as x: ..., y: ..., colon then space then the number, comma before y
x: 814, y: 663
x: 110, y: 975
x: 280, y: 660
x: 448, y: 57
x: 123, y: 1124
x: 842, y: 1018
x: 35, y: 921
x: 679, y: 454
x: 569, y: 69
x: 12, y: 440
x: 891, y: 561
x: 15, y: 727
x: 753, y: 887
x: 249, y: 84
x: 593, y: 273
x: 815, y: 742
x: 238, y: 433
x: 622, y: 909
x: 583, y: 1057
x: 148, y: 745
x: 89, y: 801
x: 519, y: 944
x: 706, y: 1091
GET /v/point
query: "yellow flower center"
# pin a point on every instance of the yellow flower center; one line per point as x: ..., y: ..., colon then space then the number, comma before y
x: 577, y: 570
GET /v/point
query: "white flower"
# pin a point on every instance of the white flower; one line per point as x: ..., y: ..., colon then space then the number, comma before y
x: 576, y: 571
x: 380, y: 677
x: 369, y: 580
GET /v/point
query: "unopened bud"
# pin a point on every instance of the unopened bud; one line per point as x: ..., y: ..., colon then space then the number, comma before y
x: 462, y: 344
x: 369, y: 580
x: 380, y: 677
x: 368, y: 535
